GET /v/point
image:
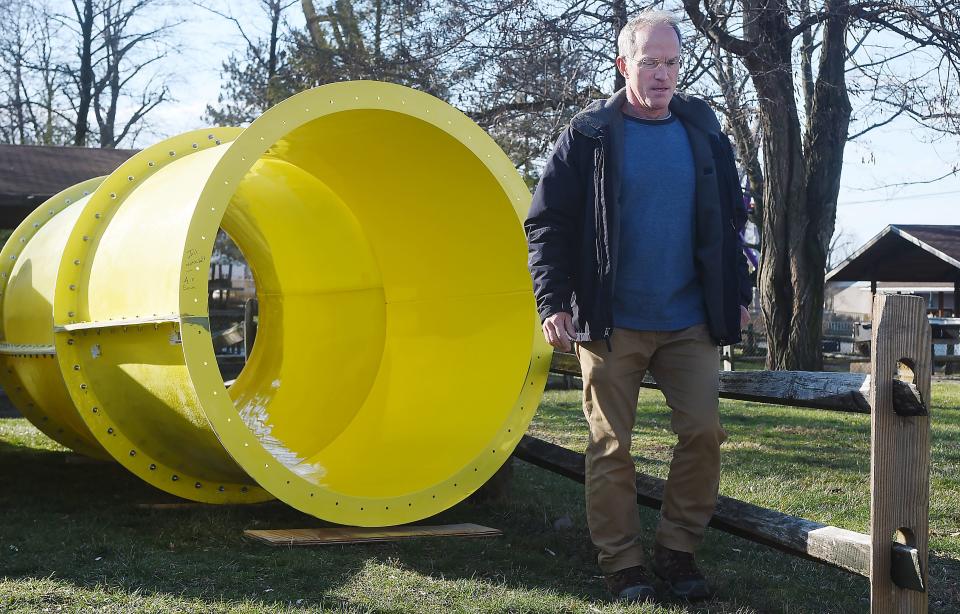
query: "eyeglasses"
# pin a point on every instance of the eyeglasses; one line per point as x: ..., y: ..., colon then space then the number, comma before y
x: 655, y: 63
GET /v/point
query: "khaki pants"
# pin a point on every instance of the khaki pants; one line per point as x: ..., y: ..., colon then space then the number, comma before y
x: 685, y: 364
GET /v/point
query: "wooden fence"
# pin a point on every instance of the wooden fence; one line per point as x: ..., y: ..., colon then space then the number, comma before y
x: 894, y: 554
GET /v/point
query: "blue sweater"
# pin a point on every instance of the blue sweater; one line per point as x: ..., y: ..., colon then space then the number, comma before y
x: 656, y: 287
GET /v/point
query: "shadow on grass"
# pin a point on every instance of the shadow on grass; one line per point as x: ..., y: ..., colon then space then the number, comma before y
x: 80, y: 523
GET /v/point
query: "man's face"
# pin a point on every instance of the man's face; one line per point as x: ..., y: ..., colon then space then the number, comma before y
x: 649, y: 90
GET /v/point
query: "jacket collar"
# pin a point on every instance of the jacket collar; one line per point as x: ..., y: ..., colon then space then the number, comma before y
x: 601, y: 114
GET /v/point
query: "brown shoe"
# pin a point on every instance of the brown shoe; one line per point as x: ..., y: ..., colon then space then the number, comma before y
x: 679, y: 570
x: 631, y: 585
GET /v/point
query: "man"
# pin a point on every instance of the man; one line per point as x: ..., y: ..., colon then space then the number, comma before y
x: 636, y: 259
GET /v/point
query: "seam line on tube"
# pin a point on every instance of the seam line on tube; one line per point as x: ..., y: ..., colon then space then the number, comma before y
x: 164, y: 319
x: 26, y: 349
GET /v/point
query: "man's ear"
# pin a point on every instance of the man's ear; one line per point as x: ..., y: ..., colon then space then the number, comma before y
x: 622, y: 66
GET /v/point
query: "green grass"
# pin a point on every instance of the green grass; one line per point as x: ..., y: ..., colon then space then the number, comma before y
x: 73, y: 539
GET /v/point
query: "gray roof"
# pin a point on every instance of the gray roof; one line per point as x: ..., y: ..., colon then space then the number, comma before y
x: 905, y: 253
x: 30, y: 174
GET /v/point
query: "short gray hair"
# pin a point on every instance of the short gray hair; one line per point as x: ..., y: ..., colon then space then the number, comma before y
x: 627, y: 40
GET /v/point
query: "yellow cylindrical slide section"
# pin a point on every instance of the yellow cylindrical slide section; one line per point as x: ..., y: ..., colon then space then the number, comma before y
x: 29, y: 372
x: 383, y: 230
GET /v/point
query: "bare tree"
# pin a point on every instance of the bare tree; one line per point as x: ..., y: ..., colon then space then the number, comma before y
x: 31, y: 101
x: 804, y: 130
x: 117, y: 46
x: 256, y: 79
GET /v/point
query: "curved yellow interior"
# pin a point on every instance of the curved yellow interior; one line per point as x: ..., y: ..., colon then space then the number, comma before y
x: 389, y: 265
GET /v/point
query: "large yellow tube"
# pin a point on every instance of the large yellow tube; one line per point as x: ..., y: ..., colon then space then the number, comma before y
x: 29, y: 372
x: 383, y: 230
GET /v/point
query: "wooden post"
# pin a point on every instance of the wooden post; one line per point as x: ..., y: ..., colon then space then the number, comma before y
x: 727, y: 354
x: 899, y: 451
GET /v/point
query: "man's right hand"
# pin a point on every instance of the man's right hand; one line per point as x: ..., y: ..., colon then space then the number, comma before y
x: 559, y: 332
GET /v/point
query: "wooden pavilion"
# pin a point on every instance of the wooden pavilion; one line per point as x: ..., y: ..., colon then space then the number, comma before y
x: 908, y: 254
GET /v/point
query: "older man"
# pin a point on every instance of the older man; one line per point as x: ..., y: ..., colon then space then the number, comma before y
x: 636, y: 260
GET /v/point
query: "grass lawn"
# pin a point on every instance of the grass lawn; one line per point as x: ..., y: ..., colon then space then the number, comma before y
x: 73, y: 539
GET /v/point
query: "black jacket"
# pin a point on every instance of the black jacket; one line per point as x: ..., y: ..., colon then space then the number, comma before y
x: 573, y: 228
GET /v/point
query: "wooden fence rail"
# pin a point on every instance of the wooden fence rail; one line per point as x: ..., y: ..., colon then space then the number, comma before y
x: 894, y: 554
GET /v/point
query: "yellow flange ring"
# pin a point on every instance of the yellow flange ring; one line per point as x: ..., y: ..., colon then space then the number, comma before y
x: 28, y: 367
x: 117, y: 322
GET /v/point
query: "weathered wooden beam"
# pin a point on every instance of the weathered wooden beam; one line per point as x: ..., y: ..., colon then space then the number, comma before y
x: 847, y: 550
x: 847, y: 392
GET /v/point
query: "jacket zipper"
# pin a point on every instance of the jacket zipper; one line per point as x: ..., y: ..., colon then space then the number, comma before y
x: 602, y: 260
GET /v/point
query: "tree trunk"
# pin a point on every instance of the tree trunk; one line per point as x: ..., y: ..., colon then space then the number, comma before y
x: 825, y: 139
x: 313, y: 22
x: 792, y: 320
x: 619, y: 20
x: 85, y: 78
x: 800, y: 190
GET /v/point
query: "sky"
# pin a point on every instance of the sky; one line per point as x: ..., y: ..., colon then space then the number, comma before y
x: 874, y: 165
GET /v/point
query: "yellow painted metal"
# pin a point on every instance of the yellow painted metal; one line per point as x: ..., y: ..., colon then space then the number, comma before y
x: 28, y: 368
x: 118, y: 321
x: 383, y: 230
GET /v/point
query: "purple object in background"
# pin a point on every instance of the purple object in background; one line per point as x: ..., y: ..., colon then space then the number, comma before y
x: 752, y: 255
